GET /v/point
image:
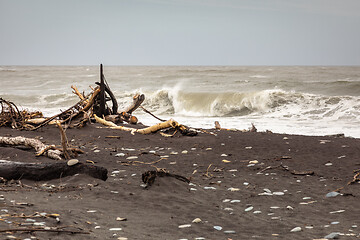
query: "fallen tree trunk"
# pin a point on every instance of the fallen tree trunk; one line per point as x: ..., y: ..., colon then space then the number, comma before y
x: 46, y: 171
x: 39, y: 147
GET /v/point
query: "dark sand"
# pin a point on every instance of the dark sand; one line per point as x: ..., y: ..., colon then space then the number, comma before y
x: 91, y: 205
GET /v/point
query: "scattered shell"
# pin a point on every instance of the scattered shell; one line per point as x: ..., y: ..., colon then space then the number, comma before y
x: 257, y: 212
x: 208, y: 149
x: 229, y: 232
x: 306, y: 198
x: 185, y: 226
x: 253, y: 162
x: 246, y: 183
x: 249, y: 209
x: 184, y: 152
x: 332, y: 194
x: 131, y: 157
x: 72, y: 162
x: 196, y: 220
x: 121, y: 219
x: 225, y: 161
x: 235, y: 201
x: 223, y: 155
x: 164, y: 156
x: 193, y: 189
x: 97, y: 227
x: 152, y: 151
x: 248, y: 147
x: 233, y: 189
x: 328, y: 164
x: 296, y: 229
x: 209, y: 188
x: 219, y: 228
x: 289, y: 207
x: 96, y: 151
x: 228, y: 209
x: 120, y: 155
x: 174, y: 153
x: 115, y: 229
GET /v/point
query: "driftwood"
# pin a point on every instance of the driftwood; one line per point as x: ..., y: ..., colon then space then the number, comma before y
x: 30, y: 229
x: 152, y: 129
x: 46, y: 171
x: 39, y: 147
x: 149, y: 177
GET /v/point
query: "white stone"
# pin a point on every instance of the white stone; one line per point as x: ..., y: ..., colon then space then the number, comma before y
x: 184, y: 152
x: 72, y: 162
x: 131, y: 157
x: 120, y: 155
x: 296, y: 229
x: 185, y: 226
x: 249, y: 209
x: 219, y: 228
x: 278, y: 193
x: 196, y: 220
x: 115, y: 229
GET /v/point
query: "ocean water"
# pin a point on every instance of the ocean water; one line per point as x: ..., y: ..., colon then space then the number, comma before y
x: 294, y: 99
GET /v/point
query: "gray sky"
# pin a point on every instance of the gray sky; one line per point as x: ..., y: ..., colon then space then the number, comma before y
x: 180, y: 32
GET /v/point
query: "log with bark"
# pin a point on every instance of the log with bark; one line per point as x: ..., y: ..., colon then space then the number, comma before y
x: 47, y: 171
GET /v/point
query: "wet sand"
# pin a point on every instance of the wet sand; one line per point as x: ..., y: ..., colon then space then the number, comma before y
x: 244, y: 185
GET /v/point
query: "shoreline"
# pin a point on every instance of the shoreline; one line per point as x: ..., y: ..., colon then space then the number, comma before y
x: 243, y: 185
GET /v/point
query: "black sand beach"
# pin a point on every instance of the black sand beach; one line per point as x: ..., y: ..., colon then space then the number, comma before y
x: 244, y: 185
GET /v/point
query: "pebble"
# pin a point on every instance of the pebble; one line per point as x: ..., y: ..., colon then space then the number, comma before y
x: 296, y: 229
x: 328, y: 164
x: 265, y: 194
x: 91, y: 211
x: 120, y: 155
x: 334, y: 223
x: 338, y: 211
x: 208, y: 149
x: 223, y: 155
x: 184, y: 152
x: 131, y: 157
x: 248, y: 147
x: 250, y: 165
x: 174, y: 153
x: 121, y: 219
x: 257, y: 212
x: 164, y: 156
x: 309, y: 227
x: 249, y: 209
x: 274, y: 207
x: 254, y: 162
x: 193, y: 189
x: 333, y: 235
x: 219, y: 228
x: 332, y: 194
x: 235, y: 201
x: 115, y: 172
x: 289, y: 207
x: 115, y: 229
x: 97, y: 227
x: 225, y: 161
x: 193, y: 149
x: 96, y: 151
x: 226, y: 200
x: 246, y: 183
x: 278, y: 193
x: 72, y: 162
x: 233, y: 170
x: 306, y: 198
x: 267, y: 190
x: 229, y: 232
x: 233, y: 189
x: 354, y: 226
x: 128, y: 149
x: 209, y: 188
x: 122, y: 238
x: 196, y: 220
x: 185, y: 226
x: 228, y: 209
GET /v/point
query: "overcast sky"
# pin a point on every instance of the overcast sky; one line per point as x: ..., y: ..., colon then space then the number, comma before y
x: 180, y: 32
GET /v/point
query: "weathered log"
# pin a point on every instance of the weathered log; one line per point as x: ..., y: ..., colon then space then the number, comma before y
x: 31, y: 142
x: 47, y: 171
x: 138, y: 99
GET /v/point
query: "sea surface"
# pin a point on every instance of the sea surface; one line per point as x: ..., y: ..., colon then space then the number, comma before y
x: 303, y: 100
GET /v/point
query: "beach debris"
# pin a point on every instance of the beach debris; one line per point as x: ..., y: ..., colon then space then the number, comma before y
x: 72, y: 162
x: 219, y: 228
x: 296, y: 229
x: 46, y: 171
x: 333, y: 235
x: 225, y: 161
x: 338, y: 211
x: 149, y: 177
x: 232, y: 189
x: 229, y: 232
x: 248, y: 209
x: 184, y: 226
x: 332, y: 194
x: 196, y: 220
x: 115, y: 229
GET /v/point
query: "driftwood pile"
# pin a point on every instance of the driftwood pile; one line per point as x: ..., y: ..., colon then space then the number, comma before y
x: 92, y: 107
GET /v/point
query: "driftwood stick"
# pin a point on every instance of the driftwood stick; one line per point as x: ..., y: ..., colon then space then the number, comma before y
x: 31, y: 142
x: 145, y: 110
x: 138, y: 99
x: 64, y: 142
x: 76, y: 91
x: 46, y: 171
x: 42, y: 230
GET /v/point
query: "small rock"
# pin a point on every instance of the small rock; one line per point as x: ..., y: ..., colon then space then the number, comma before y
x: 184, y: 152
x: 209, y: 188
x: 249, y: 209
x: 208, y: 149
x: 248, y: 147
x: 115, y: 229
x: 328, y: 164
x: 122, y: 238
x: 96, y: 151
x: 185, y: 226
x: 225, y: 161
x: 333, y: 235
x: 223, y: 155
x: 121, y: 219
x: 235, y: 201
x: 296, y: 229
x: 254, y: 162
x: 219, y: 228
x: 229, y: 232
x: 131, y: 157
x: 256, y: 212
x: 334, y: 223
x: 246, y: 183
x: 338, y: 211
x: 97, y: 227
x: 196, y: 220
x: 228, y: 209
x: 332, y: 194
x: 72, y: 162
x: 233, y: 189
x: 120, y: 155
